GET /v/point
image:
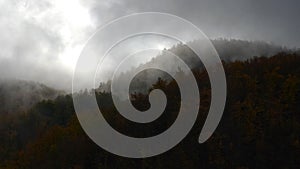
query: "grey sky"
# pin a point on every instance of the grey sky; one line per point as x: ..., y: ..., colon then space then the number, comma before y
x: 270, y: 20
x: 41, y: 39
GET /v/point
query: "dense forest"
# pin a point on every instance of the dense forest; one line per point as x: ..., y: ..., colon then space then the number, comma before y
x: 260, y: 127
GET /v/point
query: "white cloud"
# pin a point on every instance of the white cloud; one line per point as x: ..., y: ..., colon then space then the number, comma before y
x: 41, y: 39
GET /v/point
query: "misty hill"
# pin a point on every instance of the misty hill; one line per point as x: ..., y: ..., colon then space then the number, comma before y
x: 19, y: 95
x: 234, y: 49
x: 229, y: 50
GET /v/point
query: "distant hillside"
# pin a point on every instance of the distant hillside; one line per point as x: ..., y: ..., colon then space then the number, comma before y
x: 19, y: 95
x: 233, y: 49
x: 229, y: 50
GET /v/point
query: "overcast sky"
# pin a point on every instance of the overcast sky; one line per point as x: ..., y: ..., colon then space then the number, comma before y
x: 41, y: 39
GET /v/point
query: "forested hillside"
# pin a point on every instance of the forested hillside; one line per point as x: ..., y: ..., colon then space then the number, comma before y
x: 229, y: 50
x: 20, y: 95
x: 260, y: 128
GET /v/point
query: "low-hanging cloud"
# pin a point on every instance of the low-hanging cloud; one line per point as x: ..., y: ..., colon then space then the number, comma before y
x: 41, y: 39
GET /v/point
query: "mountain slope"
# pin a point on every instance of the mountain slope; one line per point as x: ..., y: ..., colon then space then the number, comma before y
x: 229, y: 50
x: 19, y: 95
